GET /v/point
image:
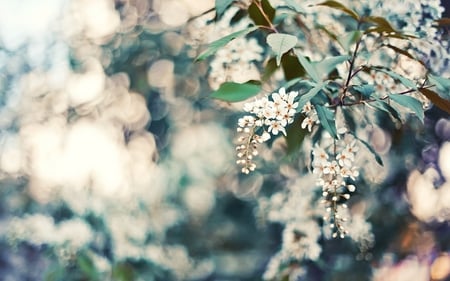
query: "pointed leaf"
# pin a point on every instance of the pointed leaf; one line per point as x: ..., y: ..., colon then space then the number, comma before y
x: 327, y: 65
x: 372, y: 150
x: 235, y: 92
x: 281, y: 43
x: 366, y: 90
x: 269, y: 69
x: 339, y: 6
x: 382, y: 105
x: 291, y: 67
x: 403, y: 52
x: 411, y: 103
x: 405, y: 81
x: 295, y: 137
x: 309, y: 95
x: 347, y: 40
x: 436, y: 99
x: 442, y: 84
x: 350, y: 119
x: 327, y: 119
x: 216, y: 45
x: 380, y: 22
x: 309, y: 68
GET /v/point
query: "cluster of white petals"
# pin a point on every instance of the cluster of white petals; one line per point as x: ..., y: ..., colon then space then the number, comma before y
x: 236, y: 61
x: 334, y: 164
x: 311, y: 116
x: 267, y: 116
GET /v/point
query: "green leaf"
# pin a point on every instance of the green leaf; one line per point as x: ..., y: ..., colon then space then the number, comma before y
x: 256, y: 15
x: 300, y: 84
x: 221, y: 6
x: 327, y: 119
x: 326, y: 66
x: 382, y: 25
x: 405, y: 81
x: 294, y: 136
x: 311, y: 93
x: 436, y: 99
x: 350, y: 119
x: 309, y: 68
x: 269, y: 69
x: 411, y: 103
x: 370, y: 148
x: 350, y: 38
x: 381, y: 22
x: 403, y: 52
x: 281, y: 43
x: 366, y: 90
x: 216, y: 45
x: 382, y: 105
x: 291, y: 67
x: 235, y: 92
x: 339, y: 6
x: 442, y: 84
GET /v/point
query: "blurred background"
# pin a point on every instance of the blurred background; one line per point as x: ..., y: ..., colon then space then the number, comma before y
x: 115, y: 164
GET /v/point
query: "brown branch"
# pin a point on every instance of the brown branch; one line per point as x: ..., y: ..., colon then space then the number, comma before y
x: 385, y: 97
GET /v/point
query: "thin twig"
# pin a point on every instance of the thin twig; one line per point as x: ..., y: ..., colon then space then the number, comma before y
x: 385, y: 97
x: 263, y: 13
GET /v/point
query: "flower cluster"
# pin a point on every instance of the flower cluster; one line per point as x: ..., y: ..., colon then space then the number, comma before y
x: 66, y: 238
x: 267, y: 116
x: 311, y: 116
x: 293, y: 208
x: 333, y: 163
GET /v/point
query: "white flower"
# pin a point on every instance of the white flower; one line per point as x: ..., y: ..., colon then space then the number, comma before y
x: 265, y: 136
x: 291, y: 104
x: 320, y: 155
x: 276, y: 126
x: 308, y: 122
x: 307, y: 108
x: 345, y: 158
x: 246, y: 121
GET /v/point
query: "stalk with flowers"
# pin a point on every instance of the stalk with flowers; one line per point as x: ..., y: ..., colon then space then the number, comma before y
x: 329, y: 94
